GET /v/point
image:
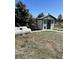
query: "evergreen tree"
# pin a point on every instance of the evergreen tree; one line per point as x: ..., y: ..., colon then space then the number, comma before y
x: 40, y: 15
x: 60, y: 18
x: 22, y: 14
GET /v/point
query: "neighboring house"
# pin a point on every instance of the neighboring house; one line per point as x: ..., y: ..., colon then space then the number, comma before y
x: 46, y: 22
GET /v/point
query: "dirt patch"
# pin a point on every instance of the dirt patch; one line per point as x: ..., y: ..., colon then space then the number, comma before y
x: 39, y: 45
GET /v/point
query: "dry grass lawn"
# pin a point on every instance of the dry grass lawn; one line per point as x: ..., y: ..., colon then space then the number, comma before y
x: 39, y: 45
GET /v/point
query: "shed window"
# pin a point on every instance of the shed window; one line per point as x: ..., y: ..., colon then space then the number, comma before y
x: 44, y: 21
x: 52, y: 21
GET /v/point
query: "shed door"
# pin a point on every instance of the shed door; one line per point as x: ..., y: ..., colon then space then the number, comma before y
x: 48, y: 24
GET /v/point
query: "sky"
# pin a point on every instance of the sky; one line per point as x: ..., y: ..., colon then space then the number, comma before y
x: 53, y: 7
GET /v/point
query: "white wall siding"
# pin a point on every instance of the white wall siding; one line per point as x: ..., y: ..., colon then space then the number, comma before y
x: 44, y: 26
x: 52, y: 24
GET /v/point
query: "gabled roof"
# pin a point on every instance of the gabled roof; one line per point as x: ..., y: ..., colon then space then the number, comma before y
x: 46, y: 17
x: 49, y: 17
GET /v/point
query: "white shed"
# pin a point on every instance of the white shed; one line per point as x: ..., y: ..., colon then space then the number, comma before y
x: 46, y: 22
